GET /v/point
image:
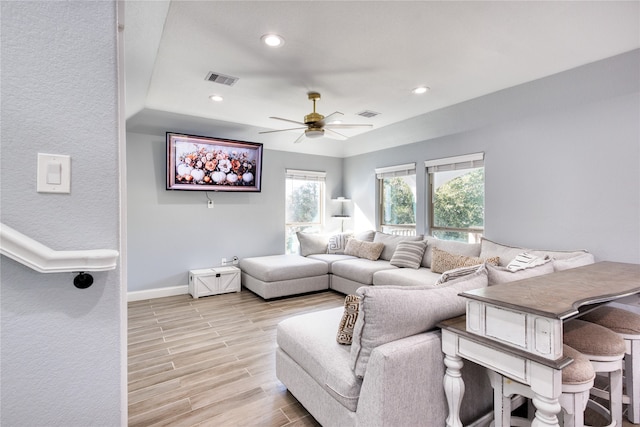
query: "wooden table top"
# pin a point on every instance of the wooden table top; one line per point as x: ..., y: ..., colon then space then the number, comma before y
x: 561, y: 294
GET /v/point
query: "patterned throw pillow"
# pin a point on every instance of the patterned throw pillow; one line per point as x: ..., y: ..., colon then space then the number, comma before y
x: 442, y: 261
x: 368, y: 250
x: 409, y: 254
x: 348, y: 321
x: 338, y: 242
x: 525, y: 260
x: 456, y: 273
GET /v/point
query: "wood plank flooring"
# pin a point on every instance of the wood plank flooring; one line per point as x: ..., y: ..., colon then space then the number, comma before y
x: 211, y: 362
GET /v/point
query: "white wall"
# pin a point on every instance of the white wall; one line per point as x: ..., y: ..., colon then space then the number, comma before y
x: 61, y: 346
x: 562, y: 159
x: 172, y: 232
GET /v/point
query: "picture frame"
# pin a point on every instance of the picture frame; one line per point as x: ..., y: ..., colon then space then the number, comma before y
x: 201, y: 163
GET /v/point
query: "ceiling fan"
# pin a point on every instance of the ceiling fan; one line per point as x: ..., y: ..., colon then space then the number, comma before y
x: 316, y: 125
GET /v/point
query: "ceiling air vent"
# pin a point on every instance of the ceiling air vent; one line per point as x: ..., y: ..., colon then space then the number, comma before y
x: 221, y: 78
x: 367, y: 113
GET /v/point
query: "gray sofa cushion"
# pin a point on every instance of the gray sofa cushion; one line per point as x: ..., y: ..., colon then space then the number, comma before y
x: 405, y: 277
x: 310, y: 340
x: 451, y: 246
x: 312, y: 243
x: 508, y: 253
x: 388, y: 313
x: 391, y: 241
x: 282, y: 267
x: 573, y: 262
x: 359, y: 269
x: 499, y: 275
x: 331, y: 258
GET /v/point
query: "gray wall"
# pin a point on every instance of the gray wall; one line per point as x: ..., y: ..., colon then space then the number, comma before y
x: 562, y: 159
x: 61, y: 346
x: 172, y: 232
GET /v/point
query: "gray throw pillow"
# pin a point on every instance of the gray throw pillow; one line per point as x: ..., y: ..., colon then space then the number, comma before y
x: 312, y: 243
x: 408, y: 254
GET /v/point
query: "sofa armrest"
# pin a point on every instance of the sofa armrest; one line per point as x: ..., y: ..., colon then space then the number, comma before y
x: 404, y: 385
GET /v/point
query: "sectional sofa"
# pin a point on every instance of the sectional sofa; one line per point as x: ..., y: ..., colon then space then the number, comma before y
x: 391, y: 373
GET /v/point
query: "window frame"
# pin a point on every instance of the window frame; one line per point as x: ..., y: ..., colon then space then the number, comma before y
x: 394, y: 172
x: 468, y: 161
x: 308, y: 176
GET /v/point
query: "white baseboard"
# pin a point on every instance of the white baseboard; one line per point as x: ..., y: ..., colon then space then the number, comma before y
x: 157, y: 293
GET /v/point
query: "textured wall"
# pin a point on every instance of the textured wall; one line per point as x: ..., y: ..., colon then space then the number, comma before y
x: 172, y: 232
x: 562, y: 159
x: 60, y: 345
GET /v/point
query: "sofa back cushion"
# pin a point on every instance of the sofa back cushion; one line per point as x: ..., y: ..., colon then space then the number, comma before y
x: 312, y: 243
x: 390, y: 242
x: 508, y: 253
x: 389, y: 313
x: 451, y: 246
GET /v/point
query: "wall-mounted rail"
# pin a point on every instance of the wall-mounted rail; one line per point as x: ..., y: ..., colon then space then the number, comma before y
x: 43, y: 259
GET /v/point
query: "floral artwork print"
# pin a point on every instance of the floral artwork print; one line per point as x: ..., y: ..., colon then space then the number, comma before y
x: 199, y: 163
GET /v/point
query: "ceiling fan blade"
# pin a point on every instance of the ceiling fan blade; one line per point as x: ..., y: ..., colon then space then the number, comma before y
x: 346, y: 126
x: 333, y: 134
x: 281, y: 130
x: 287, y: 120
x: 326, y: 119
x: 300, y: 138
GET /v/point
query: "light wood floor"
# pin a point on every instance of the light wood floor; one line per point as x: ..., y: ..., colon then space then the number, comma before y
x: 211, y: 361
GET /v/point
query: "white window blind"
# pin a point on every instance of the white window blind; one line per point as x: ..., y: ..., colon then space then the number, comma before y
x: 307, y: 175
x: 399, y: 170
x: 466, y: 161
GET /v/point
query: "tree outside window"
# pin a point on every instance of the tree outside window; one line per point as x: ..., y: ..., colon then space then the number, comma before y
x: 304, y: 196
x: 398, y: 200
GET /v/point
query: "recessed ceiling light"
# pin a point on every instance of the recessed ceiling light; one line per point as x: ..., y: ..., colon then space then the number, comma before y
x: 420, y: 90
x: 216, y: 98
x: 272, y: 40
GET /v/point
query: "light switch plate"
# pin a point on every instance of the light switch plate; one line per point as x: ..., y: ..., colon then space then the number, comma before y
x: 48, y: 182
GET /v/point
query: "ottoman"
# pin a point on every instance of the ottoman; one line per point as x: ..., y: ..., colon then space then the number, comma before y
x: 281, y: 275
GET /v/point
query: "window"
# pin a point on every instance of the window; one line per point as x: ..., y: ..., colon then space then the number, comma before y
x: 457, y: 197
x: 398, y: 199
x: 304, y: 205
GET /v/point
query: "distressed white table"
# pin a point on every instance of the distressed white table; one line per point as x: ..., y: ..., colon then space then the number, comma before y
x: 515, y: 329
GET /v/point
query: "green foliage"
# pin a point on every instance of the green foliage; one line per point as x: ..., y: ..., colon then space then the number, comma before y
x: 303, y: 203
x: 459, y: 203
x: 399, y: 202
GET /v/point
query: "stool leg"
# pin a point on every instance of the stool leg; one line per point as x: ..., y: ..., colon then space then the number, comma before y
x: 615, y: 392
x: 632, y: 370
x: 501, y: 403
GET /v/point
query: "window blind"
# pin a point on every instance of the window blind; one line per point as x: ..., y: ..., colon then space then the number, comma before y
x: 307, y: 175
x: 466, y: 161
x: 399, y: 170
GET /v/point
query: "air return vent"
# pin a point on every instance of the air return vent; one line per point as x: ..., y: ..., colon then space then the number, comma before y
x: 221, y: 78
x: 367, y: 113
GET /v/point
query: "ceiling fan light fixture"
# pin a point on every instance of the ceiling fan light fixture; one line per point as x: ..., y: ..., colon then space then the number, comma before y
x: 420, y: 90
x: 314, y: 133
x: 272, y: 40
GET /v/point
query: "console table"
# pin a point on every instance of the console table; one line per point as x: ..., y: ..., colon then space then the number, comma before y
x: 515, y: 329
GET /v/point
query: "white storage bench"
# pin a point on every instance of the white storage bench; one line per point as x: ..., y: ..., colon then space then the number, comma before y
x: 214, y: 281
x: 281, y: 275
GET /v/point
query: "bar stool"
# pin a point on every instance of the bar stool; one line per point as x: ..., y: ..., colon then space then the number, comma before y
x: 577, y: 380
x: 605, y: 350
x: 627, y: 325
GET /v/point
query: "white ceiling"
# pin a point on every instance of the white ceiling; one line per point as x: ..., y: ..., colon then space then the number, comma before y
x: 360, y: 55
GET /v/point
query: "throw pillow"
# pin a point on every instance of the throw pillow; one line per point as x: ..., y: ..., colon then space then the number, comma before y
x: 451, y: 246
x: 499, y: 275
x: 338, y: 242
x: 456, y: 273
x: 576, y: 261
x: 368, y: 250
x: 525, y: 260
x: 390, y: 242
x: 442, y: 261
x: 389, y: 313
x: 348, y: 321
x: 409, y: 254
x: 312, y: 243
